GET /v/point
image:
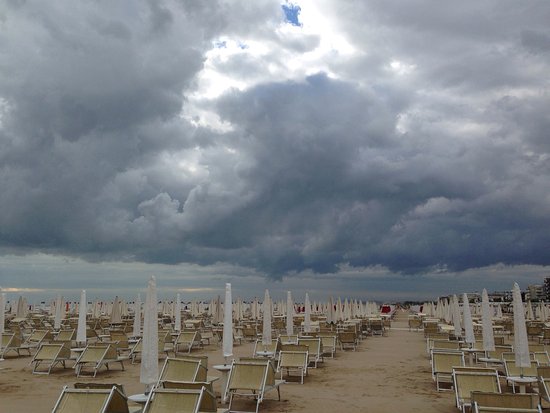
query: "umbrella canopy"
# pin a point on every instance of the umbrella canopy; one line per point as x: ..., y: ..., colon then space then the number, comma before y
x: 82, y: 310
x: 266, y: 331
x: 289, y: 314
x: 177, y: 315
x: 149, y: 354
x: 228, y: 323
x: 330, y: 311
x: 307, y: 317
x: 468, y: 324
x: 456, y: 317
x: 137, y: 317
x: 487, y: 322
x: 521, y: 344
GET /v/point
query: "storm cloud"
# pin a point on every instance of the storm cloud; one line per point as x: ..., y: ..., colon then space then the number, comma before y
x: 412, y: 137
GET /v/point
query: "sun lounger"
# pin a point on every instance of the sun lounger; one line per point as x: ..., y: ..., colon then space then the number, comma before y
x: 186, y: 340
x: 294, y: 361
x: 163, y: 400
x: 135, y: 351
x: 175, y: 369
x: 35, y: 339
x: 249, y: 334
x: 513, y: 371
x: 10, y: 342
x: 466, y: 380
x: 505, y: 402
x: 252, y: 380
x: 91, y: 401
x: 274, y: 347
x: 442, y: 366
x: 347, y: 339
x: 66, y: 335
x: 328, y: 341
x: 315, y: 349
x: 50, y: 354
x: 96, y: 356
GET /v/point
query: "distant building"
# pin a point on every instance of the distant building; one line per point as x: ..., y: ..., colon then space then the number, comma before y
x: 535, y: 293
x: 547, y: 289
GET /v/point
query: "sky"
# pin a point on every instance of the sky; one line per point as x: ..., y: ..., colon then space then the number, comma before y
x: 368, y: 149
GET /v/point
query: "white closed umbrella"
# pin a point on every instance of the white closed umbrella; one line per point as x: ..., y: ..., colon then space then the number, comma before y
x: 468, y: 324
x: 177, y: 315
x: 137, y: 317
x: 266, y: 331
x: 2, y: 318
x: 487, y: 322
x: 116, y: 316
x: 289, y: 314
x: 307, y: 316
x: 228, y: 324
x: 149, y: 353
x: 521, y: 344
x: 58, y: 312
x: 330, y: 311
x: 81, y: 327
x: 456, y: 317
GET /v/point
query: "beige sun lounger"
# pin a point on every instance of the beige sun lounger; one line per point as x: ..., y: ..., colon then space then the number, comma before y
x: 445, y: 345
x: 294, y: 361
x: 347, y: 339
x: 36, y: 338
x: 513, y: 371
x: 328, y: 341
x: 91, y: 401
x: 315, y: 349
x: 442, y: 366
x: 66, y: 335
x: 96, y: 356
x: 252, y: 380
x: 175, y: 369
x: 186, y: 340
x: 505, y: 402
x: 274, y: 347
x: 10, y: 342
x: 135, y: 352
x: 466, y: 380
x: 50, y: 354
x: 170, y: 400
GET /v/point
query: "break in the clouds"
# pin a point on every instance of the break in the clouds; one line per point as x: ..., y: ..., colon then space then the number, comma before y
x: 282, y: 138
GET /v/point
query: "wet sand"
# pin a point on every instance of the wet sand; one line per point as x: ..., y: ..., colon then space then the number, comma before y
x: 385, y: 374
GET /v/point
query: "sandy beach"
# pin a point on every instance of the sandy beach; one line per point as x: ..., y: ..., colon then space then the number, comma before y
x: 384, y: 374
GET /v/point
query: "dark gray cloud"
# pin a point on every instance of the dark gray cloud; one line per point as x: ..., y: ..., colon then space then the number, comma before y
x: 426, y: 149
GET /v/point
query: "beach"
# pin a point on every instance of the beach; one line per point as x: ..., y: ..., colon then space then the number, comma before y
x: 390, y: 373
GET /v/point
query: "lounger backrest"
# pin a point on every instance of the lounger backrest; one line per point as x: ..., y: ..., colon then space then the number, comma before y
x: 467, y: 382
x: 541, y: 357
x: 186, y: 337
x: 48, y: 352
x: 446, y: 344
x: 250, y: 376
x: 173, y: 401
x: 505, y: 400
x: 93, y: 354
x: 6, y: 339
x: 328, y: 341
x: 65, y: 335
x: 293, y: 359
x: 543, y: 371
x: 91, y: 401
x: 188, y: 385
x: 444, y: 362
x: 314, y: 345
x: 513, y: 370
x: 498, y: 351
x: 347, y: 337
x: 180, y: 370
x: 203, y: 360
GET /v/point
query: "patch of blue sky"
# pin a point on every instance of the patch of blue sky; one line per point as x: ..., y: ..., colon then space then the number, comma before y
x: 292, y: 13
x: 220, y: 44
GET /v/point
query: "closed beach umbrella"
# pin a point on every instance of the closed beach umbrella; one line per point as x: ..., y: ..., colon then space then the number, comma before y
x: 116, y: 317
x: 137, y: 317
x: 456, y: 317
x: 468, y: 325
x: 521, y: 345
x: 58, y: 312
x: 228, y: 323
x: 330, y: 311
x: 177, y: 315
x: 289, y: 314
x: 266, y: 331
x: 149, y: 353
x: 2, y: 312
x: 82, y: 311
x: 307, y: 317
x: 487, y: 322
